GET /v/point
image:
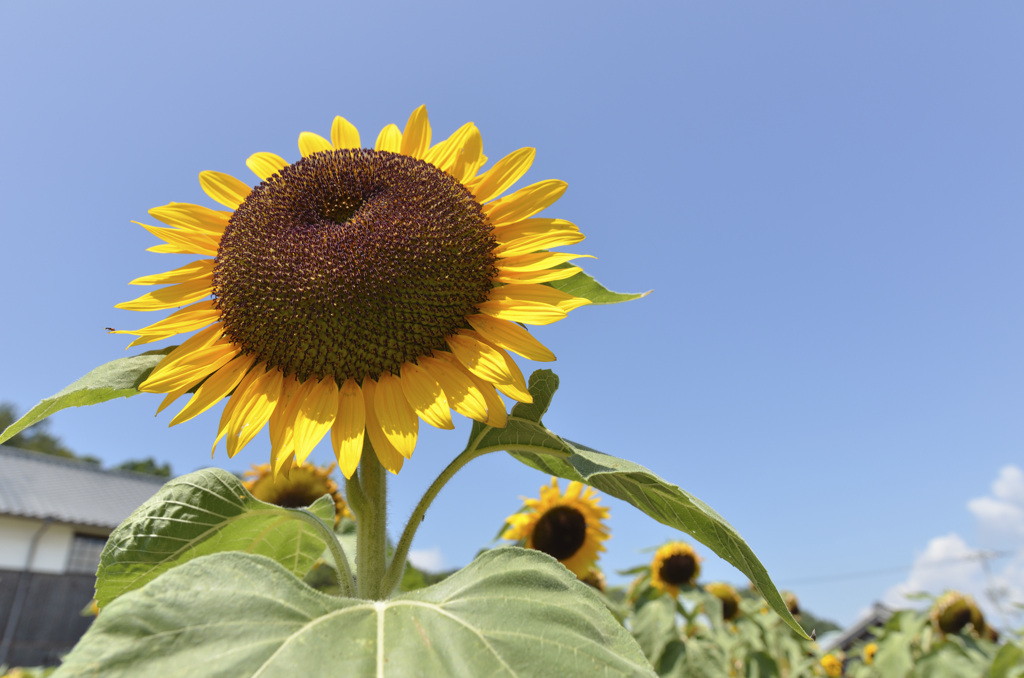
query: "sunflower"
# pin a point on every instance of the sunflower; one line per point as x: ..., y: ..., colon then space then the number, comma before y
x: 868, y: 655
x: 568, y: 527
x: 358, y: 291
x: 299, y: 487
x: 792, y: 603
x: 953, y: 611
x: 675, y: 564
x: 833, y: 666
x: 729, y: 598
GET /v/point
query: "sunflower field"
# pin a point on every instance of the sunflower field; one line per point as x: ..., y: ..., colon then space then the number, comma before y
x: 345, y: 297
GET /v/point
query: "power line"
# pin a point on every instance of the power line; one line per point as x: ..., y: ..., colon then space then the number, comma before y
x: 983, y: 556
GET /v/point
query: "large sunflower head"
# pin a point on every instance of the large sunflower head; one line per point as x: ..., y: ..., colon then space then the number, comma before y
x: 358, y: 290
x: 953, y: 611
x: 675, y: 564
x: 299, y: 487
x: 568, y: 527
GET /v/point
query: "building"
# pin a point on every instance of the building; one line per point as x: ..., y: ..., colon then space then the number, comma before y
x: 55, y: 517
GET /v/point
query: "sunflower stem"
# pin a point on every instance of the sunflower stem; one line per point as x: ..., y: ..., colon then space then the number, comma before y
x: 371, y: 526
x: 397, y: 567
x: 345, y: 581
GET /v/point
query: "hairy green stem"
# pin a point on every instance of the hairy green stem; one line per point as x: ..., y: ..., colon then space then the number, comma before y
x: 397, y: 567
x: 371, y: 525
x: 343, y: 571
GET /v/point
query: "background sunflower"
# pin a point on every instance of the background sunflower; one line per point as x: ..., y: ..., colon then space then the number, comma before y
x: 569, y: 527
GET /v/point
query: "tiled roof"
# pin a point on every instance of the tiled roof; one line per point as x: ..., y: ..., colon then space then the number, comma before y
x: 37, y: 485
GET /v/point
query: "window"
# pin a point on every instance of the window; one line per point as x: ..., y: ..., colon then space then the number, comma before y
x: 85, y: 553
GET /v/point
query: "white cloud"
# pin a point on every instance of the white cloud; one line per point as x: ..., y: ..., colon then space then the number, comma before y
x: 991, y: 571
x: 430, y: 560
x: 1009, y: 486
x: 947, y: 563
x: 1000, y: 516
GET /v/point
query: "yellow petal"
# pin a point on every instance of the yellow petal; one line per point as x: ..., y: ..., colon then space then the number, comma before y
x: 188, y: 319
x: 349, y: 427
x: 529, y: 312
x: 537, y: 261
x: 515, y: 384
x: 416, y: 138
x: 224, y: 188
x: 316, y: 414
x: 234, y: 402
x: 539, y: 233
x: 281, y: 425
x: 481, y: 359
x: 171, y: 397
x: 189, y: 371
x: 389, y: 139
x: 470, y: 157
x: 496, y: 414
x: 463, y: 395
x: 550, y: 275
x: 344, y: 135
x: 525, y: 202
x: 214, y: 389
x: 389, y: 457
x: 505, y: 172
x: 197, y: 342
x: 282, y: 463
x: 443, y: 155
x: 201, y: 268
x: 192, y: 217
x: 310, y: 143
x: 510, y: 336
x: 541, y: 294
x: 397, y: 419
x: 254, y: 410
x: 167, y: 248
x: 426, y: 396
x: 181, y: 294
x: 265, y: 165
x: 184, y: 241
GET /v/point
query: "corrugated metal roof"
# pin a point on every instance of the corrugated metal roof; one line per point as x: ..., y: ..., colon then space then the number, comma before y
x: 37, y: 485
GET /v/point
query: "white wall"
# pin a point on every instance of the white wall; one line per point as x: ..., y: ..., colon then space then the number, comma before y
x: 51, y: 551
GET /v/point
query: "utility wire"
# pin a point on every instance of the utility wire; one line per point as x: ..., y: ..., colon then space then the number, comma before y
x: 983, y: 556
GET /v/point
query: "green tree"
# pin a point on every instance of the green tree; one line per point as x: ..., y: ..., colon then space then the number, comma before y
x: 38, y: 439
x: 147, y: 465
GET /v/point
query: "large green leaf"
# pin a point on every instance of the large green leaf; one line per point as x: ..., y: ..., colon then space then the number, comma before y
x: 117, y: 379
x: 511, y: 612
x: 208, y: 511
x: 529, y: 441
x: 582, y: 285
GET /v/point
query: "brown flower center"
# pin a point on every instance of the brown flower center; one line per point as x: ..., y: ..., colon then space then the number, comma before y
x: 560, y: 532
x: 351, y: 263
x: 679, y: 569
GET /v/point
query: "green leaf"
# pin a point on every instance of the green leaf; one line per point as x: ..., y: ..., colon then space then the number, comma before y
x: 208, y: 511
x: 582, y: 285
x: 511, y: 612
x: 524, y: 430
x: 694, y: 657
x: 1010, y: 656
x: 654, y: 627
x: 663, y: 501
x: 117, y: 379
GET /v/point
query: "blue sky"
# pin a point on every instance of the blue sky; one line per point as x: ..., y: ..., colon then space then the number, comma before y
x: 824, y: 197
